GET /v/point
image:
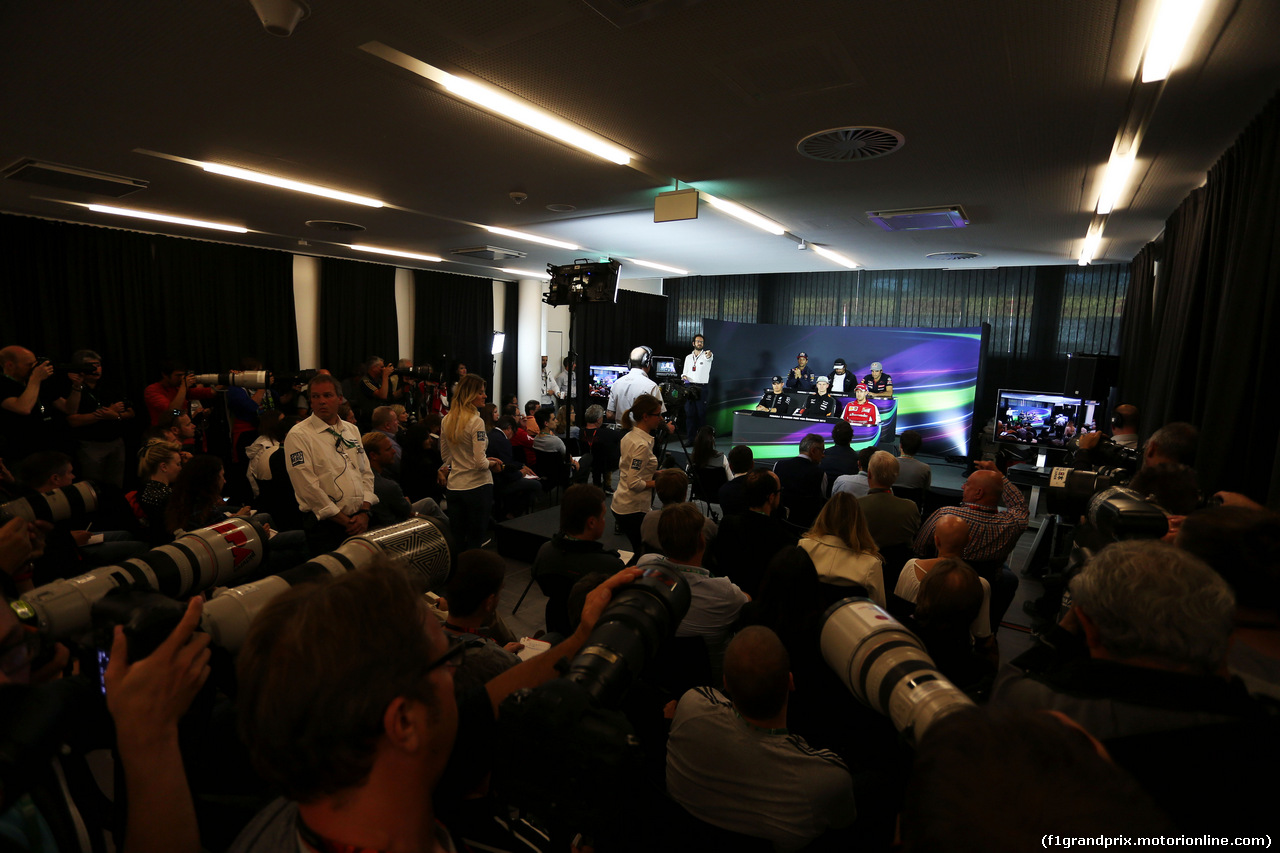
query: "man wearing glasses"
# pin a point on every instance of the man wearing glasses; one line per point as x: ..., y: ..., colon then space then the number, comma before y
x: 347, y: 706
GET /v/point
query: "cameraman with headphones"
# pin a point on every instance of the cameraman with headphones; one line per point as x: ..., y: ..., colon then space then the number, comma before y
x: 696, y: 374
x: 625, y: 391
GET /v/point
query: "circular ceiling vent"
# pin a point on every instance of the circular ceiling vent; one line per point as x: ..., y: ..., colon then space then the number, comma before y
x: 953, y: 256
x: 333, y: 225
x: 561, y: 208
x: 846, y: 144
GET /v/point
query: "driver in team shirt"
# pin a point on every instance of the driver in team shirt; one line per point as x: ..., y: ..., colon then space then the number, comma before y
x: 776, y: 402
x: 860, y: 412
x: 842, y: 381
x: 821, y: 404
x: 879, y: 383
x: 800, y: 378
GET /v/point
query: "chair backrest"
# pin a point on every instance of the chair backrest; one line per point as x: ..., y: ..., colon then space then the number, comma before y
x: 909, y: 493
x: 551, y: 466
x: 707, y: 482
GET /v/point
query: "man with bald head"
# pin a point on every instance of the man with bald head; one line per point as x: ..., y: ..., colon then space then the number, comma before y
x: 992, y: 532
x: 732, y: 762
x: 25, y: 420
x: 1125, y: 426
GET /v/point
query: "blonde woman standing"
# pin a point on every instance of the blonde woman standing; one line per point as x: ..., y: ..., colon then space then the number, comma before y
x: 464, y: 445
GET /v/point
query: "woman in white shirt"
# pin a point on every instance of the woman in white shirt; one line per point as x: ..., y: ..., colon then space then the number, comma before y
x: 842, y: 549
x: 464, y: 445
x: 637, y: 467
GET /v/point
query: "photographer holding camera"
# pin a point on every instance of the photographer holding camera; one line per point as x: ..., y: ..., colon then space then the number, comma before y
x: 96, y: 413
x: 174, y: 391
x: 25, y: 421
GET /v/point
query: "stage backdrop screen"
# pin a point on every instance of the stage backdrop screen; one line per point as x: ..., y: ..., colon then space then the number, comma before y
x: 934, y: 373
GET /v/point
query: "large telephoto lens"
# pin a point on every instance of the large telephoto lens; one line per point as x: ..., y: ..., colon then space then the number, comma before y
x: 886, y: 667
x: 253, y: 379
x: 74, y: 501
x: 426, y: 548
x: 191, y: 563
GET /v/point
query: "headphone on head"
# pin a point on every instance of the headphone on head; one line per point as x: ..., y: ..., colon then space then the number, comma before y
x: 640, y: 356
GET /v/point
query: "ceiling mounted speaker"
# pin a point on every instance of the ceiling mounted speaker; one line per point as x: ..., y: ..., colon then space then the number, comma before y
x: 279, y: 17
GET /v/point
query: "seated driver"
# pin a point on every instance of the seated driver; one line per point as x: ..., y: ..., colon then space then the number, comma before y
x: 861, y: 412
x: 821, y: 404
x: 776, y: 402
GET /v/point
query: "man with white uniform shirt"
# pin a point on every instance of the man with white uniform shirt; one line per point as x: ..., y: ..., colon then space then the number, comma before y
x: 329, y: 470
x: 625, y: 391
x: 697, y: 372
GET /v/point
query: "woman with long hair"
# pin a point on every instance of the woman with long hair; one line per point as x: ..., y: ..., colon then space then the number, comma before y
x: 197, y: 496
x: 704, y: 453
x: 464, y: 444
x: 842, y: 549
x: 159, y: 463
x: 637, y: 467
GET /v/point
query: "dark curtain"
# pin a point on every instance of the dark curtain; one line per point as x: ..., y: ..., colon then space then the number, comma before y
x: 610, y: 331
x: 1212, y: 354
x: 139, y: 298
x: 357, y: 314
x: 453, y: 321
x: 511, y: 325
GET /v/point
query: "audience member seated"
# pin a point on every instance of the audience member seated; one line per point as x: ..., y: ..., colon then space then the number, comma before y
x: 392, y: 507
x: 530, y: 417
x: 715, y: 602
x: 948, y: 602
x: 421, y: 461
x: 515, y: 485
x: 159, y: 463
x: 173, y: 392
x: 471, y: 599
x: 804, y: 485
x: 385, y: 420
x: 573, y: 552
x: 842, y: 549
x: 197, y: 497
x: 912, y: 473
x: 275, y: 493
x: 704, y: 454
x: 733, y: 763
x: 950, y: 536
x: 992, y: 779
x: 348, y: 710
x: 856, y: 484
x: 992, y: 533
x: 1242, y: 544
x: 892, y: 521
x: 672, y: 488
x: 259, y: 451
x: 732, y: 497
x: 748, y: 541
x: 1139, y: 663
x: 548, y: 442
x: 600, y: 443
x: 839, y: 459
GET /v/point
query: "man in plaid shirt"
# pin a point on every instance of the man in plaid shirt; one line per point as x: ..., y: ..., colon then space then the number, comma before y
x: 992, y: 533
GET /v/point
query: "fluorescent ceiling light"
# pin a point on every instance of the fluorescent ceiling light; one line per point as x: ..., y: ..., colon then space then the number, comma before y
x: 748, y: 216
x: 1090, y: 247
x: 285, y: 183
x: 399, y: 254
x: 662, y: 267
x: 834, y: 256
x: 522, y: 112
x: 525, y: 273
x: 1115, y: 179
x: 161, y: 217
x: 532, y: 238
x: 1169, y: 35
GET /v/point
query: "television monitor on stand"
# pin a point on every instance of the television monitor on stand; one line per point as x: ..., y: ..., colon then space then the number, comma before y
x: 1041, y: 422
x: 664, y: 368
x: 602, y: 378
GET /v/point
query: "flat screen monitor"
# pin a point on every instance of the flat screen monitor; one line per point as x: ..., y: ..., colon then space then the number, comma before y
x: 603, y: 376
x: 1041, y: 419
x: 664, y: 367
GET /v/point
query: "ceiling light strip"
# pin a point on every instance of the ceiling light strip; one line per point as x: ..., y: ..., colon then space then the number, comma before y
x: 525, y: 273
x: 287, y: 184
x: 1115, y: 179
x: 378, y: 250
x: 1090, y: 247
x: 1174, y: 23
x: 739, y: 212
x: 164, y: 217
x: 663, y: 267
x: 532, y: 238
x: 834, y: 256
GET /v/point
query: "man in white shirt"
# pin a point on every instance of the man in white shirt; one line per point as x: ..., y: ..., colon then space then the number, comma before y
x: 329, y: 471
x: 697, y: 372
x: 550, y: 388
x: 625, y: 391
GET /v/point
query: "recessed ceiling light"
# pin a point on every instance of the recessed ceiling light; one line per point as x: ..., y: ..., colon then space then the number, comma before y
x: 1090, y: 247
x: 288, y: 184
x: 378, y: 250
x: 748, y: 216
x: 532, y: 238
x: 662, y: 267
x: 164, y: 217
x: 833, y: 256
x: 1115, y: 179
x: 525, y: 273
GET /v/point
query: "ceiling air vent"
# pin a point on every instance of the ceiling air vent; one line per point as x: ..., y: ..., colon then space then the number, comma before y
x: 333, y: 225
x: 73, y: 178
x: 846, y: 144
x: 920, y: 218
x: 488, y: 253
x: 953, y: 256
